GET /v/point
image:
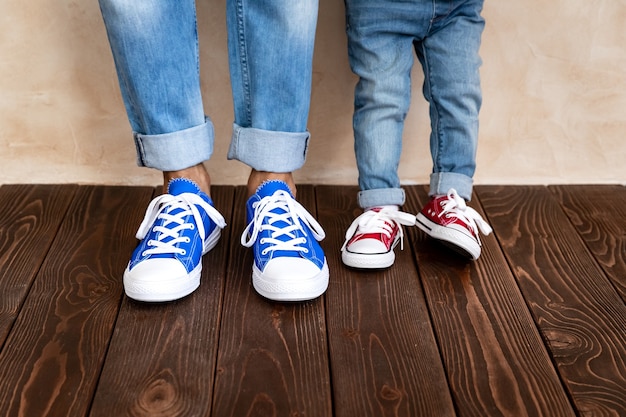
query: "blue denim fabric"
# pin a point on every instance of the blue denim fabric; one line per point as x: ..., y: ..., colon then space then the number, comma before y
x: 445, y: 35
x: 155, y: 48
x: 270, y: 46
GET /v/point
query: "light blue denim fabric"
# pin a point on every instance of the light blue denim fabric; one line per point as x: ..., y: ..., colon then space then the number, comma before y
x: 446, y: 36
x: 155, y: 48
x: 270, y: 46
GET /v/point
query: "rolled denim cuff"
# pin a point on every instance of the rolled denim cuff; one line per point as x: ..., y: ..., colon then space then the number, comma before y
x: 177, y: 150
x: 266, y: 150
x: 442, y: 182
x: 381, y: 197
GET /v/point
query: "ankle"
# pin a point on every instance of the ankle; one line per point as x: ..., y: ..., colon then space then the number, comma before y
x: 257, y: 178
x: 196, y: 173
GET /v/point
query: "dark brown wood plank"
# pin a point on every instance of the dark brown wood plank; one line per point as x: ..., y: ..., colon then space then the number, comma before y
x: 599, y: 214
x: 162, y: 356
x: 564, y: 245
x: 53, y: 356
x: 272, y: 356
x: 496, y: 362
x: 575, y: 306
x: 31, y: 215
x: 384, y: 356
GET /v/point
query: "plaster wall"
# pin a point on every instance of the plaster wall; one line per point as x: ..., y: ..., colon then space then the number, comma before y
x: 554, y: 82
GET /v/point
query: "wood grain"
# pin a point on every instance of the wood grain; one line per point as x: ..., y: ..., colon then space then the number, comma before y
x: 575, y: 306
x: 496, y: 362
x: 272, y: 356
x: 161, y: 361
x: 62, y: 333
x: 598, y: 212
x: 536, y: 327
x: 384, y: 357
x: 31, y: 215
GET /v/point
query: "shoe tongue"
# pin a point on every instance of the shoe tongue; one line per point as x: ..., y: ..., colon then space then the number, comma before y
x: 270, y: 187
x: 179, y: 186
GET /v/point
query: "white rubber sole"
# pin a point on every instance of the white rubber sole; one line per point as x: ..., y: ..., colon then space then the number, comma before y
x: 369, y: 260
x: 170, y: 289
x: 160, y: 290
x: 453, y: 238
x: 292, y: 289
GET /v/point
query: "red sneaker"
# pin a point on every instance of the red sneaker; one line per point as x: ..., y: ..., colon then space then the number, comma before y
x: 448, y: 219
x: 373, y: 235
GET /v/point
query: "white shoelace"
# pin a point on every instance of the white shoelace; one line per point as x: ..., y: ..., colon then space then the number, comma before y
x: 174, y: 224
x: 455, y: 206
x: 372, y: 221
x: 293, y: 212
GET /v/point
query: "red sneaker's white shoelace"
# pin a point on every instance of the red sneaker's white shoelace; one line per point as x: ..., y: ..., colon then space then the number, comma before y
x: 379, y: 221
x: 456, y: 207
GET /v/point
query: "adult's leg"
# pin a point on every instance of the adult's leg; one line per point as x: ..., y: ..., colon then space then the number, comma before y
x: 271, y: 55
x: 155, y: 48
x: 270, y: 47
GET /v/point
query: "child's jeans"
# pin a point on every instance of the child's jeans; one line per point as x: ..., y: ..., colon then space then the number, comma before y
x: 445, y: 35
x: 270, y: 45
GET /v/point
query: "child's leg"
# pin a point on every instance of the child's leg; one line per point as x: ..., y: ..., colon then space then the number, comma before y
x: 449, y: 56
x: 381, y: 35
x: 380, y: 50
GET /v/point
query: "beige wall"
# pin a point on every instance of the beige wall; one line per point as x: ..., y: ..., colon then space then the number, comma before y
x: 554, y: 80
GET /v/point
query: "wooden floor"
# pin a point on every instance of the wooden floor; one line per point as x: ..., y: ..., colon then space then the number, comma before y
x: 536, y: 327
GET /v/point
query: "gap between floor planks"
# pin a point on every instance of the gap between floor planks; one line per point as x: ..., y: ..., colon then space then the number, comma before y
x: 432, y: 336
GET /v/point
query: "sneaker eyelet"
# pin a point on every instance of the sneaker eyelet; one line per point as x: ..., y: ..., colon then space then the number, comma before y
x: 191, y: 226
x: 262, y: 241
x: 264, y: 252
x: 187, y: 240
x: 183, y: 252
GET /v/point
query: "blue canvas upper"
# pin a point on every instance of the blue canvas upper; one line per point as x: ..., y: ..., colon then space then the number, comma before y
x: 283, y: 233
x: 182, y: 234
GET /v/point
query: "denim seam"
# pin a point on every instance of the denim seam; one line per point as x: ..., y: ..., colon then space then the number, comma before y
x: 243, y: 58
x: 195, y: 28
x: 434, y: 16
x: 438, y: 17
x: 435, y: 122
x: 140, y: 150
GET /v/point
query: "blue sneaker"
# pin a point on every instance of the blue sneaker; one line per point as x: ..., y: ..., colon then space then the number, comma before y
x: 179, y: 227
x: 289, y: 264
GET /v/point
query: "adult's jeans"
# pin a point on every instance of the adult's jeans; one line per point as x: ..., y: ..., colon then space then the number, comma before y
x: 446, y: 36
x: 270, y: 46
